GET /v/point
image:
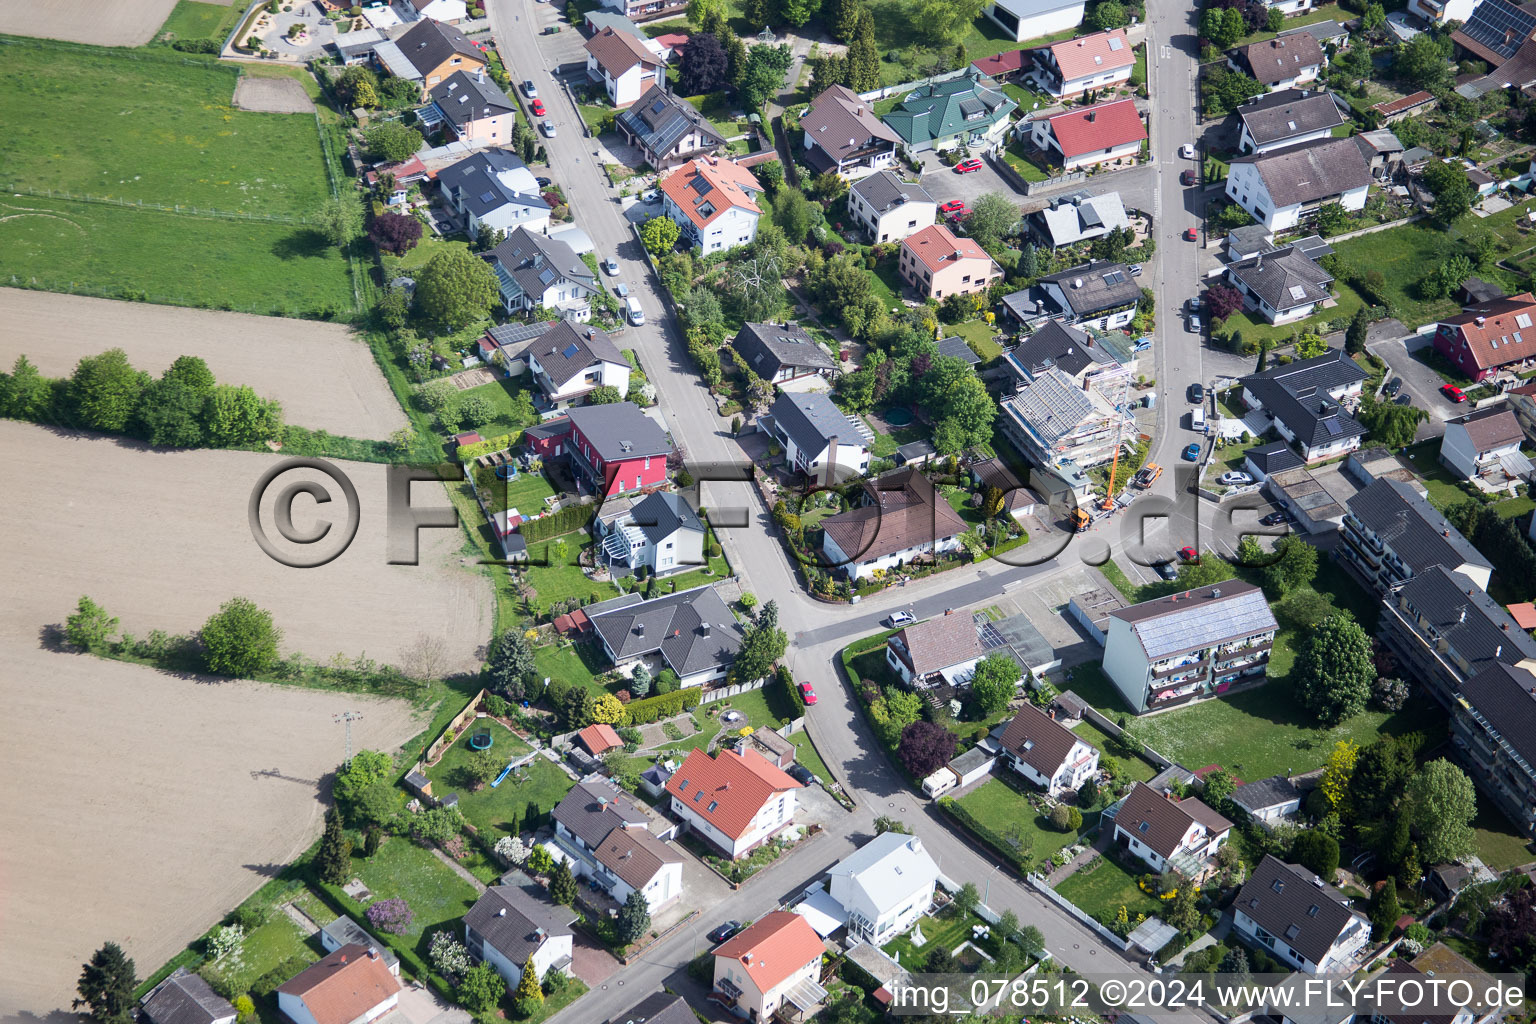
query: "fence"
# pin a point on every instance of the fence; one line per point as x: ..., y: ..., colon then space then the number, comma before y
x: 126, y: 294
x: 722, y: 692
x: 891, y: 90
x: 1036, y: 883
x: 1105, y: 725
x: 443, y: 741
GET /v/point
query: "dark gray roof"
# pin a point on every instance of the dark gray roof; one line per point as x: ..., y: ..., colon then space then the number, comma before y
x: 658, y: 120
x: 1271, y: 792
x: 1289, y: 113
x: 430, y: 43
x: 1293, y: 904
x: 1297, y: 395
x: 693, y: 630
x: 1275, y: 457
x: 885, y: 191
x: 593, y: 808
x: 475, y: 179
x: 1068, y: 349
x: 1502, y: 695
x: 1410, y: 526
x: 1283, y: 277
x: 534, y: 261
x: 620, y: 430
x: 1199, y: 618
x: 661, y: 514
x: 767, y: 348
x: 1476, y: 627
x: 658, y: 1008
x: 515, y: 921
x: 1322, y: 31
x: 1092, y: 287
x: 919, y: 449
x: 1311, y: 171
x: 811, y: 420
x: 567, y: 349
x: 463, y: 97
x: 1281, y: 58
x: 955, y: 347
x: 185, y: 998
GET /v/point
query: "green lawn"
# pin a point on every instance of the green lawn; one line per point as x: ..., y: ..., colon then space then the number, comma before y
x: 501, y: 394
x: 1499, y: 843
x: 421, y: 255
x: 555, y: 582
x: 885, y: 283
x: 1005, y: 808
x: 401, y: 869
x: 806, y: 754
x: 980, y: 336
x: 1254, y: 328
x: 445, y: 775
x: 578, y: 663
x: 524, y: 796
x: 262, y: 950
x: 526, y: 492
x: 1018, y: 156
x: 1028, y: 99
x: 698, y: 741
x: 191, y: 20
x: 767, y: 708
x: 1442, y: 486
x: 1102, y: 887
x: 1131, y: 767
x: 1322, y: 12
x: 943, y: 931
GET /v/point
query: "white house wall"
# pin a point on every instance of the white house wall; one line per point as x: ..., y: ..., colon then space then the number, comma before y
x: 1036, y: 25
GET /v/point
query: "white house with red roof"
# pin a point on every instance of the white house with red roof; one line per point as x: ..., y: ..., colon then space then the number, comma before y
x: 1489, y: 335
x: 623, y: 65
x: 1073, y: 66
x: 735, y: 802
x: 350, y: 986
x: 776, y: 961
x: 936, y: 263
x: 1090, y: 136
x: 714, y: 202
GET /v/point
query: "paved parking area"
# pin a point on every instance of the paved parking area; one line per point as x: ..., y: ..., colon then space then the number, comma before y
x: 944, y: 184
x: 590, y: 962
x: 1418, y: 380
x: 563, y: 47
x: 420, y: 1005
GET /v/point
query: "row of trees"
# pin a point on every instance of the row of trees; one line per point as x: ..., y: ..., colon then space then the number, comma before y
x: 240, y: 639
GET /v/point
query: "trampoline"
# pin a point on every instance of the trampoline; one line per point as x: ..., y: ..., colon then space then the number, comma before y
x: 480, y: 741
x: 506, y: 471
x: 898, y: 417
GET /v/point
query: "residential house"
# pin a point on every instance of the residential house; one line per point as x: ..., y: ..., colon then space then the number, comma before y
x: 1303, y: 399
x: 450, y: 12
x: 714, y: 202
x: 734, y: 802
x: 782, y: 352
x: 1444, y: 629
x: 1093, y: 294
x: 1078, y: 217
x: 843, y: 134
x: 1325, y: 32
x: 185, y: 998
x: 691, y: 632
x: 889, y: 209
x: 515, y: 928
x: 901, y: 518
x: 1008, y: 66
x: 1056, y: 346
x: 357, y: 47
x: 613, y: 449
x: 1164, y: 833
x: 1287, y: 118
x: 472, y: 108
x: 1177, y: 648
x: 943, y: 649
x: 1065, y: 427
x: 968, y: 110
x: 624, y: 66
x: 570, y: 361
x: 1438, y: 12
x: 1270, y: 800
x: 608, y: 840
x: 1317, y: 506
x: 1031, y: 19
x: 1392, y: 111
x: 660, y: 532
x: 647, y: 10
x: 1522, y: 401
x: 1493, y: 726
x: 1489, y: 335
x: 1263, y: 461
x: 496, y: 190
x: 1283, y: 285
x: 657, y: 1008
x: 818, y: 440
x: 771, y: 969
x: 534, y: 272
x: 599, y: 738
x: 666, y: 129
x: 663, y: 47
x: 1047, y: 753
x: 1279, y: 188
x: 1494, y: 31
x: 994, y: 474
x: 935, y: 263
x: 1284, y: 62
x: 1306, y: 924
x: 775, y: 749
x: 884, y: 886
x: 1437, y: 962
x: 350, y: 986
x: 1072, y: 67
x: 429, y: 53
x: 346, y: 932
x: 1289, y: 6
x: 1088, y: 136
x: 1393, y: 534
x: 954, y: 346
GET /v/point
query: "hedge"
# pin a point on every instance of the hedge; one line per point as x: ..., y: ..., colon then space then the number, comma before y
x: 490, y: 446
x: 984, y: 832
x: 572, y: 517
x: 643, y: 712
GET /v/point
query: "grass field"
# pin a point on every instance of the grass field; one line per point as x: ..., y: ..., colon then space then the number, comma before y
x: 526, y: 492
x: 1102, y: 887
x: 943, y: 931
x: 445, y: 775
x: 1005, y: 808
x: 263, y: 949
x: 403, y: 870
x: 579, y: 663
x: 524, y: 796
x: 1499, y: 843
x: 980, y: 336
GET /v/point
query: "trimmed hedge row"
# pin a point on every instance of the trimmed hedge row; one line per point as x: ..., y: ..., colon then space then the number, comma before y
x: 572, y: 517
x: 490, y: 446
x: 643, y: 712
x: 999, y: 845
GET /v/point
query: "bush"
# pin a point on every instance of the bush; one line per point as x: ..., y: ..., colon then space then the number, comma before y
x: 392, y: 916
x: 1066, y: 819
x: 665, y: 705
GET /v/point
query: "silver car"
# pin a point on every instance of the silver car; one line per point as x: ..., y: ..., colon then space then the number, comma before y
x: 549, y: 128
x: 1234, y: 479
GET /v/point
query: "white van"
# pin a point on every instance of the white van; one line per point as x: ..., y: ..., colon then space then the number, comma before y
x: 635, y: 313
x: 1197, y: 418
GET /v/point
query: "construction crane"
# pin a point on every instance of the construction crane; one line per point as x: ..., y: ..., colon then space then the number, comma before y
x: 1114, y: 385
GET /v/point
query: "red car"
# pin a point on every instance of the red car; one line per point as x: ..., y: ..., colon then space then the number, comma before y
x: 1189, y: 555
x: 953, y: 206
x: 1187, y: 178
x: 1453, y: 392
x: 537, y: 106
x: 1190, y: 234
x: 967, y: 166
x: 808, y: 694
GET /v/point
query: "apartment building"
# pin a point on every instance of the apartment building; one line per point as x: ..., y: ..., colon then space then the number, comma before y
x: 1493, y: 725
x: 1392, y: 534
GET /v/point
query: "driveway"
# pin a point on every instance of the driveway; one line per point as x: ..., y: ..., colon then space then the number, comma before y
x: 944, y: 184
x: 1419, y: 380
x: 590, y: 962
x: 420, y: 1005
x: 558, y: 48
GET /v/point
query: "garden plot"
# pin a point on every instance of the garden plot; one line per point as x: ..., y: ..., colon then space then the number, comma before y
x: 273, y: 96
x: 101, y: 22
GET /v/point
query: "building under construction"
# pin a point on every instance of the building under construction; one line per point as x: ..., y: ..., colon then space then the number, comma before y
x: 1066, y: 427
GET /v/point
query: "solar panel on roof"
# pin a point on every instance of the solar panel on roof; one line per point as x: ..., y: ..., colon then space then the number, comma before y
x: 1114, y: 277
x: 658, y: 107
x: 570, y: 350
x: 1331, y: 425
x: 486, y: 197
x: 700, y: 184
x: 546, y: 276
x: 1115, y: 44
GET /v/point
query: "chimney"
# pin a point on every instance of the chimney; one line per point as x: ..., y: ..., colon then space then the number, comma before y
x: 589, y: 333
x: 1216, y: 593
x: 704, y: 628
x: 858, y: 111
x: 1091, y: 115
x: 1053, y: 714
x: 1480, y: 321
x: 639, y: 629
x: 373, y: 953
x: 1505, y: 627
x: 1168, y: 795
x: 1445, y: 532
x: 677, y: 632
x: 1077, y: 282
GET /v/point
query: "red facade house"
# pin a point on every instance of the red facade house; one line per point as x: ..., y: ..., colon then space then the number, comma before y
x: 613, y: 449
x: 1484, y: 337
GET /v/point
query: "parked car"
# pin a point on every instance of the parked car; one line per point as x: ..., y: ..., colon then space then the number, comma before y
x: 1190, y: 234
x: 967, y: 166
x: 808, y: 694
x: 725, y: 931
x: 1166, y: 570
x: 1405, y: 398
x: 610, y: 266
x: 1453, y: 392
x: 549, y: 128
x: 1187, y: 151
x: 1189, y: 554
x: 543, y: 182
x: 953, y: 206
x: 1192, y: 452
x: 1194, y: 304
x: 537, y: 106
x: 1135, y: 269
x: 1197, y: 392
x: 621, y: 290
x: 1234, y: 478
x: 1393, y: 387
x: 1188, y: 178
x: 1195, y: 326
x: 1147, y: 476
x: 529, y: 89
x: 653, y: 196
x: 801, y: 774
x: 898, y: 619
x: 1277, y: 517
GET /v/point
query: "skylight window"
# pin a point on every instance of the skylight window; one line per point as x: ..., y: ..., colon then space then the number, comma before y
x: 1523, y: 319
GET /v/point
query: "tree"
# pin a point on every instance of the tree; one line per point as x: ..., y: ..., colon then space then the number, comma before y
x: 366, y: 769
x: 480, y: 989
x: 1334, y: 670
x: 393, y: 916
x: 864, y: 55
x: 1382, y: 770
x: 238, y: 416
x: 1062, y: 818
x: 1511, y: 926
x: 333, y: 861
x: 885, y: 823
x: 1221, y: 301
x: 1389, y: 423
x: 944, y: 20
x: 529, y: 995
x: 341, y: 219
x: 169, y: 415
x: 357, y: 86
x: 105, y: 390
x: 634, y: 917
x: 995, y: 683
x: 106, y: 986
x: 456, y: 288
x: 842, y: 18
x: 793, y: 212
x: 703, y: 65
x: 1447, y: 274
x: 26, y: 394
x: 1221, y: 27
x: 940, y: 961
x: 703, y: 14
x: 481, y: 767
x: 1375, y: 17
x: 1384, y: 910
x: 1424, y: 61
x: 605, y: 709
x: 1390, y: 693
x: 1224, y: 90
x: 1359, y: 328
x: 391, y: 141
x: 1441, y: 803
x: 1318, y: 852
x: 966, y: 899
x: 605, y: 394
x: 925, y: 748
x: 762, y: 644
x: 762, y: 74
x: 1183, y: 911
x: 1088, y: 792
x: 640, y: 681
x: 1219, y: 786
x: 190, y: 372
x: 1337, y: 771
x: 659, y: 234
x: 1108, y: 14
x: 395, y: 233
x: 90, y: 628
x: 991, y: 218
x: 240, y: 639
x: 797, y: 12
x: 562, y: 885
x: 1295, y: 566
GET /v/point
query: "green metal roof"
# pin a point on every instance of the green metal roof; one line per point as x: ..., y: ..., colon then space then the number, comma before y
x: 971, y: 103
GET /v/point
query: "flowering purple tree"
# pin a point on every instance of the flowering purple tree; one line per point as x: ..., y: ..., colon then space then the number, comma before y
x: 391, y: 916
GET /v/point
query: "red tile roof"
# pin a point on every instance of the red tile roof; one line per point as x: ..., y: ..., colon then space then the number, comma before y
x: 1101, y: 126
x: 1524, y: 615
x: 673, y: 40
x: 599, y: 739
x: 1000, y: 65
x: 714, y: 184
x: 737, y: 785
x: 617, y: 52
x: 344, y: 986
x: 1389, y: 107
x: 774, y: 948
x: 1499, y: 323
x: 936, y: 245
x: 1090, y: 55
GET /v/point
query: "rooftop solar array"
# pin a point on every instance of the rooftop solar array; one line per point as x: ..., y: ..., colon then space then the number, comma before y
x: 1202, y: 623
x: 1500, y: 26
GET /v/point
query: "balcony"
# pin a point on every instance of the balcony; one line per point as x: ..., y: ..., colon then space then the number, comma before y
x: 1186, y: 667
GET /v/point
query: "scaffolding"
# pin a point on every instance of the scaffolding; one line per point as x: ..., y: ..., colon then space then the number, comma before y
x: 1113, y: 384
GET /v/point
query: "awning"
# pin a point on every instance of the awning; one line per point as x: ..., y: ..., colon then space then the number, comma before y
x: 823, y: 913
x: 1516, y: 464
